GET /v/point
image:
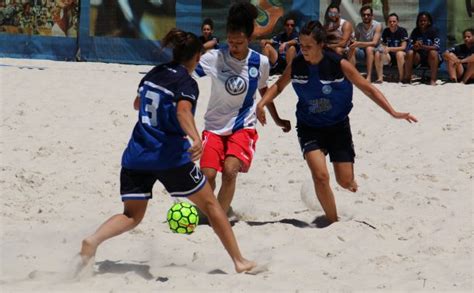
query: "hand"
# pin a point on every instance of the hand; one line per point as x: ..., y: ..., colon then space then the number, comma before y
x: 282, y: 48
x: 407, y: 116
x: 354, y: 45
x: 284, y: 124
x: 386, y: 50
x: 260, y: 111
x: 196, y: 150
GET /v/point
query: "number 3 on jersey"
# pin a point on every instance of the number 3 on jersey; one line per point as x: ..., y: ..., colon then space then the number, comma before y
x: 150, y: 109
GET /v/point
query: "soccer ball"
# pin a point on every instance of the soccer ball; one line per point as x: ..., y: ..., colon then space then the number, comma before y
x: 183, y: 218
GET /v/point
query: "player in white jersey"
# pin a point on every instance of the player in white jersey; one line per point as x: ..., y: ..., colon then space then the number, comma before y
x: 237, y: 72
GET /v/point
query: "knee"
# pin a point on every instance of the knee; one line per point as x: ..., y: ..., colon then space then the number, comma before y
x: 136, y: 218
x: 229, y: 173
x: 344, y: 182
x: 369, y: 50
x: 400, y: 56
x: 321, y: 178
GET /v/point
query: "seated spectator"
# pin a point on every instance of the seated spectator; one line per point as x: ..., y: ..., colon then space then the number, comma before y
x: 460, y: 58
x: 367, y: 42
x: 423, y: 48
x: 394, y: 44
x: 286, y: 47
x: 339, y: 31
x: 207, y: 39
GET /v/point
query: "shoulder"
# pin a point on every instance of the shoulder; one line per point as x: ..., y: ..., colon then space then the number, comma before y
x: 332, y: 57
x: 298, y: 64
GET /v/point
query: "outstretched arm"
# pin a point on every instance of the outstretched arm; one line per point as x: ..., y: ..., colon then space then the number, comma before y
x: 284, y: 124
x: 372, y: 92
x: 186, y: 121
x: 271, y: 93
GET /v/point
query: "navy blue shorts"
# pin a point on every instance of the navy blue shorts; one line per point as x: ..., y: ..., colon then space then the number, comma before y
x: 335, y: 140
x: 179, y: 182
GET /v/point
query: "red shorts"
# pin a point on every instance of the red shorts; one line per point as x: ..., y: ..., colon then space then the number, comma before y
x: 216, y: 148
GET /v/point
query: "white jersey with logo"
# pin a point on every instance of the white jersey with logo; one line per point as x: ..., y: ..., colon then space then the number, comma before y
x: 233, y: 93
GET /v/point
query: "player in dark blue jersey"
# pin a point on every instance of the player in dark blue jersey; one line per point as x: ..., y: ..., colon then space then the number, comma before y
x: 323, y: 83
x: 460, y: 58
x: 159, y: 149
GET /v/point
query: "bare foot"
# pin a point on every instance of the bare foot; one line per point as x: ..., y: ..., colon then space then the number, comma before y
x: 353, y: 186
x: 88, y: 249
x: 244, y: 265
x: 433, y: 82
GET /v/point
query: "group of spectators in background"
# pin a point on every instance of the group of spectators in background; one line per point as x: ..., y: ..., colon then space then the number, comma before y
x: 369, y: 44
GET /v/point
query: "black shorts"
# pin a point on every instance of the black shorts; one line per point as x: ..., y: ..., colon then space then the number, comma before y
x: 179, y: 182
x: 335, y: 140
x: 279, y: 66
x: 424, y: 58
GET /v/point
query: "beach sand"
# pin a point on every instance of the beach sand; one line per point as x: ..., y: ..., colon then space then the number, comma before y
x: 409, y: 227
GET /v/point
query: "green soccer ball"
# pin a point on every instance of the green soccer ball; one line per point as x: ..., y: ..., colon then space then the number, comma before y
x: 183, y: 218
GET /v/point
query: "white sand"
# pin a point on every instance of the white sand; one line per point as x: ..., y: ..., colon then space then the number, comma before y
x: 409, y: 227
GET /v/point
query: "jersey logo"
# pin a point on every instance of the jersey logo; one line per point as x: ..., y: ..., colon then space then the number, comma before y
x: 235, y: 85
x: 196, y: 174
x: 327, y: 89
x: 253, y: 72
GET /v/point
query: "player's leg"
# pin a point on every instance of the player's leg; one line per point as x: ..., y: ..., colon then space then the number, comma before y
x: 135, y: 189
x: 344, y: 172
x: 232, y: 166
x: 134, y: 211
x: 290, y: 55
x: 207, y: 203
x: 240, y: 150
x: 316, y: 161
x: 212, y: 156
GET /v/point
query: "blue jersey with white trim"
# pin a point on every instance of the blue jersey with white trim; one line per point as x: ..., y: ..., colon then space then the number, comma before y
x: 324, y: 93
x: 158, y: 142
x: 233, y: 92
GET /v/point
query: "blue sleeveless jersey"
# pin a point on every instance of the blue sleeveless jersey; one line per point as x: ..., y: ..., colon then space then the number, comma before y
x: 157, y: 141
x: 324, y: 93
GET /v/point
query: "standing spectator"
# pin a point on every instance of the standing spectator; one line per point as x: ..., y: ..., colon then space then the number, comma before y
x: 368, y: 34
x: 286, y: 47
x: 423, y: 48
x: 394, y: 44
x: 458, y: 56
x: 339, y: 31
x: 207, y: 39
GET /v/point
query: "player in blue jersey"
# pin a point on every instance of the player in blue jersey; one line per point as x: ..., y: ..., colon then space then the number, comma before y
x: 237, y: 72
x: 159, y: 149
x: 323, y: 82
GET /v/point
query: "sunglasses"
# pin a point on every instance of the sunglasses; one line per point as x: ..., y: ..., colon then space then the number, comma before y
x: 332, y: 13
x: 290, y: 25
x: 366, y: 15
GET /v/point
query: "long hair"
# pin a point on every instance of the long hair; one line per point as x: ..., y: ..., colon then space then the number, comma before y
x: 185, y: 44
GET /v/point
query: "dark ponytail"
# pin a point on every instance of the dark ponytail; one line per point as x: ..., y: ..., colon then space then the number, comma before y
x: 315, y: 29
x: 241, y: 18
x: 185, y: 44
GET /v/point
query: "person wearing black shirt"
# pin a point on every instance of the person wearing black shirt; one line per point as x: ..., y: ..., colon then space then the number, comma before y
x: 394, y: 43
x: 460, y: 58
x: 423, y: 48
x: 207, y: 39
